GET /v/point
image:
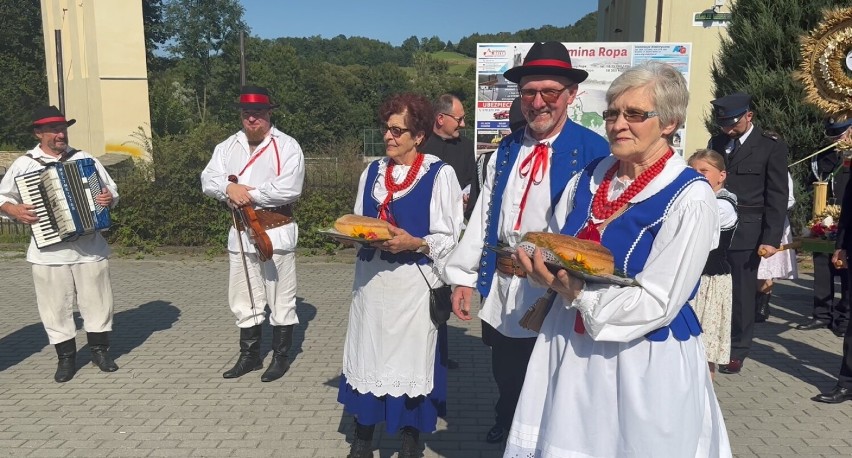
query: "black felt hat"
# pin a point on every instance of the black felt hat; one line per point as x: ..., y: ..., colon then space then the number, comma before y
x: 255, y: 98
x: 728, y: 110
x: 46, y: 115
x: 549, y: 58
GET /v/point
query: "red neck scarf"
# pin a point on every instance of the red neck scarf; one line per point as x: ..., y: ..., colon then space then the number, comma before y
x: 535, y: 165
x: 392, y: 187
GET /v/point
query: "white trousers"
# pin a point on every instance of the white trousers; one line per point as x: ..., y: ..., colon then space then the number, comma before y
x: 59, y: 287
x: 273, y: 283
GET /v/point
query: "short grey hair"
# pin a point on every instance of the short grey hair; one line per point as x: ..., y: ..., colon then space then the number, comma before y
x: 667, y: 88
x: 444, y: 104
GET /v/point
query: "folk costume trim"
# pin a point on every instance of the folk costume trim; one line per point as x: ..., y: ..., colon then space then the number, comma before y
x: 534, y: 165
x: 653, y: 211
x: 259, y: 153
x: 392, y: 187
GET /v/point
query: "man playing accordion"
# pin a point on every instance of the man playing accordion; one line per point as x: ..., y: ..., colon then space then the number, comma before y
x: 73, y: 271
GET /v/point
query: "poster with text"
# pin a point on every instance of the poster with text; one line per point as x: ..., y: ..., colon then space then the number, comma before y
x: 603, y: 61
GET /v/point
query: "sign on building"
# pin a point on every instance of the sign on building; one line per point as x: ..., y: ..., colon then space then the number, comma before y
x: 603, y: 61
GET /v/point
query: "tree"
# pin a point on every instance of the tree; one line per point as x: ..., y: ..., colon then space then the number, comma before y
x: 23, y: 85
x: 759, y: 57
x: 201, y: 32
x: 155, y: 33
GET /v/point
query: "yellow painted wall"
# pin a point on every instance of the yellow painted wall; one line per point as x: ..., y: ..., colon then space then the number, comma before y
x: 636, y: 20
x: 105, y: 75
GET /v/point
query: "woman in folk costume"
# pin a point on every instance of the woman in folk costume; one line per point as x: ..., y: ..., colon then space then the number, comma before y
x: 621, y: 371
x: 394, y: 358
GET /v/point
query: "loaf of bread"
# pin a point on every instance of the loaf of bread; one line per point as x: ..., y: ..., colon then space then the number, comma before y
x: 583, y: 255
x: 363, y: 227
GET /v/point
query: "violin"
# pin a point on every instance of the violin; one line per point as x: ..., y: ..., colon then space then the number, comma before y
x: 256, y: 233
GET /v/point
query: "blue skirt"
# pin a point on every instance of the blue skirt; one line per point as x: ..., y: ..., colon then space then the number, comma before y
x: 421, y: 412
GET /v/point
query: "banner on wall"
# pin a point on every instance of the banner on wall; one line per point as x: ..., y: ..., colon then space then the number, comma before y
x: 603, y: 61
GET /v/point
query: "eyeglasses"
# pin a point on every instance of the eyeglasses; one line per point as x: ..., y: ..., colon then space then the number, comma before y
x: 629, y: 115
x: 459, y: 119
x: 548, y: 95
x: 395, y: 132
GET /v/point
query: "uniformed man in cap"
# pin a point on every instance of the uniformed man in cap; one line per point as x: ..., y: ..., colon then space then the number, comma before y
x: 757, y: 174
x: 524, y: 179
x: 828, y: 166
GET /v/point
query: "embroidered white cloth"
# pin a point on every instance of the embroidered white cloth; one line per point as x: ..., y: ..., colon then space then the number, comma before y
x: 390, y: 339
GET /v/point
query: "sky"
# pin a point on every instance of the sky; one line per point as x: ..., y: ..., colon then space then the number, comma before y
x: 393, y: 21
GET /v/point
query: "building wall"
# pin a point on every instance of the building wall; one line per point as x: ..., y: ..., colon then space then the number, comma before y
x: 636, y: 20
x: 104, y: 72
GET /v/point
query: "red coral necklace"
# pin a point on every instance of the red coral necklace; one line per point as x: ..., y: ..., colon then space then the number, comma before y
x: 603, y: 208
x: 393, y: 187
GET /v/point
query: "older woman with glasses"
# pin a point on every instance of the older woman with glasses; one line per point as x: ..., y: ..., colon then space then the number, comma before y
x: 394, y: 357
x: 620, y: 370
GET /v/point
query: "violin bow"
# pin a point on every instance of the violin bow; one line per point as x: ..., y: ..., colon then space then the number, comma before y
x: 245, y: 265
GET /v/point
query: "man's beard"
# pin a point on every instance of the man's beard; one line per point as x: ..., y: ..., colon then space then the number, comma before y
x: 543, y: 126
x: 255, y: 135
x: 51, y: 145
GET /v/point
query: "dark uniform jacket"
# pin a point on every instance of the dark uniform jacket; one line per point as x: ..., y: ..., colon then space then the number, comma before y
x: 757, y: 175
x: 459, y: 154
x: 844, y: 226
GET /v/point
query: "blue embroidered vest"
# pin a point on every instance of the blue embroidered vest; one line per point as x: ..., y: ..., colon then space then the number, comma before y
x: 573, y: 149
x: 410, y: 211
x: 630, y: 236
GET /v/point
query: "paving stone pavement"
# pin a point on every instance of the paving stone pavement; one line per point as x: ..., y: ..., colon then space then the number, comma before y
x: 174, y: 336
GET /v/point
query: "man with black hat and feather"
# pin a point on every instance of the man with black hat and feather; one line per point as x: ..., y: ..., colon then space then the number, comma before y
x: 525, y: 177
x: 70, y: 272
x: 261, y: 169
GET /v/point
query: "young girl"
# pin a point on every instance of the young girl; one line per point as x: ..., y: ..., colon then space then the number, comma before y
x: 713, y: 302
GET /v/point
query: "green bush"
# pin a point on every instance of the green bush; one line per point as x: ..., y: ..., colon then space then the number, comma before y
x: 162, y: 203
x: 331, y: 181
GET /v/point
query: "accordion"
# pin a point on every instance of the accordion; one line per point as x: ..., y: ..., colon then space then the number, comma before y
x: 63, y: 194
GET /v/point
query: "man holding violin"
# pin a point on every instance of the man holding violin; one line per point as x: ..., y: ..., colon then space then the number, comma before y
x: 259, y: 172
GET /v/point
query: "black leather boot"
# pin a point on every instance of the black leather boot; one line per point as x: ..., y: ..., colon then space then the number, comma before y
x: 362, y: 444
x: 249, y: 359
x: 761, y: 303
x: 410, y: 446
x: 282, y: 340
x: 98, y: 345
x: 67, y: 366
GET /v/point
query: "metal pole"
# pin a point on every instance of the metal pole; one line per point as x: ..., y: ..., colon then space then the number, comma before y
x: 242, y: 59
x: 60, y: 80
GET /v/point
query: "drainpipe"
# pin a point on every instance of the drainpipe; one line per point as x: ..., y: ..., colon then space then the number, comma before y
x: 659, y: 21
